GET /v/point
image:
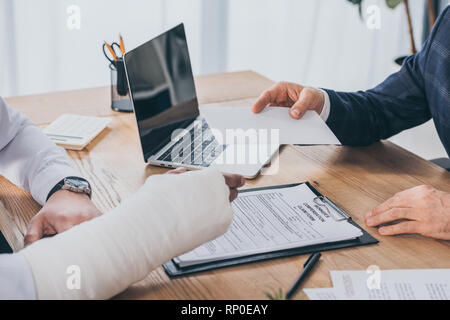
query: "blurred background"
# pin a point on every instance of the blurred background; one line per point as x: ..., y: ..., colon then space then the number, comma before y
x: 53, y: 45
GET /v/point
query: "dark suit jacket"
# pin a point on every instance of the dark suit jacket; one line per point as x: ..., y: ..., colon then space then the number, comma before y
x: 418, y: 92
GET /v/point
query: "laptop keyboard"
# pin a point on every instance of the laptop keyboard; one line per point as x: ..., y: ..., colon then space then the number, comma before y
x: 200, y: 150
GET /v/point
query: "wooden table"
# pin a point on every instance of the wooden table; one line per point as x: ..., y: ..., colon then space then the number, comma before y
x: 357, y: 179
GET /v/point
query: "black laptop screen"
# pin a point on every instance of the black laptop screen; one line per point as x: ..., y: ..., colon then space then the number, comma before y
x: 162, y: 88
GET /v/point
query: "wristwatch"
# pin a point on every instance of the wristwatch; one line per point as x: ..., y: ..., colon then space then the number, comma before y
x: 72, y: 184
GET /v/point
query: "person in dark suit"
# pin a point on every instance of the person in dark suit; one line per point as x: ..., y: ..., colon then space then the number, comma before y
x: 420, y: 91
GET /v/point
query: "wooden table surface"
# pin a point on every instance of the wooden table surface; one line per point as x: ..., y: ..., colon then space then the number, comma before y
x: 357, y: 179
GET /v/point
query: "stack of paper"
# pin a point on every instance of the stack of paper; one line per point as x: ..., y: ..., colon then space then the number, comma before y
x: 374, y: 284
x: 75, y: 132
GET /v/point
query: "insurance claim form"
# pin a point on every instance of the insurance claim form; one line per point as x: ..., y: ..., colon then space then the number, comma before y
x: 272, y: 220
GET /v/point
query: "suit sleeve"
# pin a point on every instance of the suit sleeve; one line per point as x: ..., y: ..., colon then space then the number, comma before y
x: 397, y: 104
x: 27, y: 157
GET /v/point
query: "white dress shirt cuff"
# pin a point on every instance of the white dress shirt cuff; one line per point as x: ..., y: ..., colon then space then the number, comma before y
x: 47, y: 178
x: 326, y: 106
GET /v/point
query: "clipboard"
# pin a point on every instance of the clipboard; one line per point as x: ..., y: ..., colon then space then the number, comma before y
x: 173, y: 270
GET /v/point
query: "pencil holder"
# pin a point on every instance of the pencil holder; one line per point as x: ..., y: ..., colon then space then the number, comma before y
x: 120, y: 95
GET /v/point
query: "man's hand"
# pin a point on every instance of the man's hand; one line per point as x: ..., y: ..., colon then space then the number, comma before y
x: 294, y: 96
x: 63, y: 210
x: 233, y: 181
x: 422, y: 210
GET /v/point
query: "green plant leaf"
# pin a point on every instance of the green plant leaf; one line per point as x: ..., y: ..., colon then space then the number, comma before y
x: 275, y: 295
x: 393, y: 3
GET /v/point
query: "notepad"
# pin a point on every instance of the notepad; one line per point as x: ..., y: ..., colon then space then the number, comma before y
x: 75, y: 132
x: 274, y: 220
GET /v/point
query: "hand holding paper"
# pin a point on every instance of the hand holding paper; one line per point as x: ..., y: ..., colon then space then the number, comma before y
x: 309, y: 130
x: 299, y: 99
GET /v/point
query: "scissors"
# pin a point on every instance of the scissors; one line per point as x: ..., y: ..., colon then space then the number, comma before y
x: 111, y: 52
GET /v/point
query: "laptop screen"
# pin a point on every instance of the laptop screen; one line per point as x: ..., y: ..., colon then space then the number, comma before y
x: 162, y: 88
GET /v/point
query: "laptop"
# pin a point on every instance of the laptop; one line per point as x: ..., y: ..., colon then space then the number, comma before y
x: 172, y: 132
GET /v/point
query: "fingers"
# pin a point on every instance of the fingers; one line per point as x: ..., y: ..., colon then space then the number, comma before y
x: 385, y: 206
x: 391, y: 215
x: 234, y: 181
x: 233, y: 194
x: 266, y: 98
x: 310, y: 99
x: 65, y: 222
x: 298, y: 110
x: 283, y: 94
x: 401, y: 228
x: 35, y: 230
x: 414, y: 197
x: 394, y: 202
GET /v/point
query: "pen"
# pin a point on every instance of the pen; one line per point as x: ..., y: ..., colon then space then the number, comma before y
x: 307, y: 267
x: 122, y: 46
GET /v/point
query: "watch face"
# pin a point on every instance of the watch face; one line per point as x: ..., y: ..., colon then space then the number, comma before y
x: 77, y: 183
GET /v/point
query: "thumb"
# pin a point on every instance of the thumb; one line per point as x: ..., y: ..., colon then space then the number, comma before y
x: 298, y: 109
x: 309, y: 99
x: 35, y: 230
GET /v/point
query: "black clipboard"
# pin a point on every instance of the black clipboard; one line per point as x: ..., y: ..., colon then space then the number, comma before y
x: 173, y: 270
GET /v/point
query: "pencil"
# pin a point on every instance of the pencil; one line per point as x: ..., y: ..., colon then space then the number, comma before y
x: 111, y: 50
x: 122, y: 46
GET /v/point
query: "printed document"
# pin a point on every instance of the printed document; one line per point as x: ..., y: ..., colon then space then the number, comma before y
x: 431, y: 284
x: 272, y: 220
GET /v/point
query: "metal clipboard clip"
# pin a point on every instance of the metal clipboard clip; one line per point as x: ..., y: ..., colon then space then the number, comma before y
x: 338, y: 214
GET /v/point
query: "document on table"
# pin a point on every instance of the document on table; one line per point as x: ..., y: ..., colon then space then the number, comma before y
x: 310, y: 130
x: 432, y: 284
x: 322, y: 294
x: 272, y: 220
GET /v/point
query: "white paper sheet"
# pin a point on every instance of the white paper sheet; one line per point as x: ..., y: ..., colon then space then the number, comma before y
x: 272, y: 220
x: 310, y: 130
x: 322, y: 294
x: 432, y: 284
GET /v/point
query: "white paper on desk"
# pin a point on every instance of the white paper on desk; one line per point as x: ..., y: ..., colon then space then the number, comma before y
x: 272, y: 220
x: 432, y: 284
x: 310, y: 130
x: 322, y: 294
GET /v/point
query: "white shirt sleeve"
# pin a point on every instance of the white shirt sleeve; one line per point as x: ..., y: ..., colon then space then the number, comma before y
x: 16, y: 279
x: 27, y: 157
x: 326, y: 106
